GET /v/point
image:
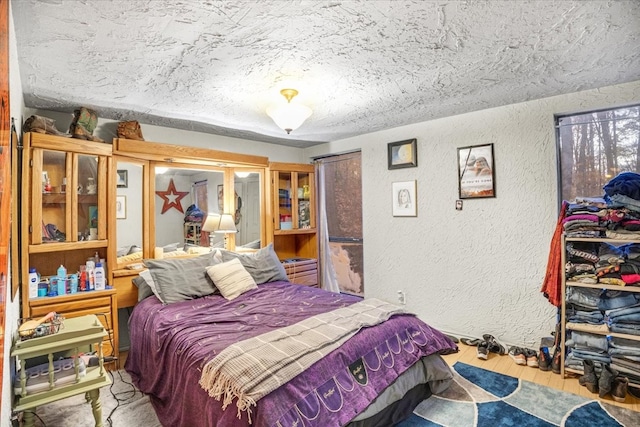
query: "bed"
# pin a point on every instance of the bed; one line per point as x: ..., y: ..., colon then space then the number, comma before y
x: 375, y: 376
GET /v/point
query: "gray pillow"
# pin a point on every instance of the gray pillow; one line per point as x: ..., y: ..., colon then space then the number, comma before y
x: 181, y: 279
x: 144, y: 290
x: 263, y: 265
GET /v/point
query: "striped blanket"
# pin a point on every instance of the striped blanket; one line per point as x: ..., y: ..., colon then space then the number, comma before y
x: 250, y: 369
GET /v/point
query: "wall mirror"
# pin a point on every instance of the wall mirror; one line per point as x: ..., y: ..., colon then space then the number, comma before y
x: 185, y: 195
x: 130, y: 209
x: 180, y: 186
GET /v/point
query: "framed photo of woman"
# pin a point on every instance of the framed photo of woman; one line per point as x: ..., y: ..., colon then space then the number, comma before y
x: 404, y: 198
x: 476, y: 177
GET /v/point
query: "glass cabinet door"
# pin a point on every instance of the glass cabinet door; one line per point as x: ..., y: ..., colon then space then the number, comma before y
x: 50, y: 177
x: 67, y: 187
x: 87, y: 198
x: 294, y: 200
x: 284, y: 202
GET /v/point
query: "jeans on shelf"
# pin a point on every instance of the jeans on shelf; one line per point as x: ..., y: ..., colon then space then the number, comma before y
x: 591, y: 341
x: 625, y: 328
x: 585, y: 297
x: 632, y: 309
x: 597, y: 356
x: 610, y: 300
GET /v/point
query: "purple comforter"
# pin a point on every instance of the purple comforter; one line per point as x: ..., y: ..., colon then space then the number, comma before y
x: 170, y: 344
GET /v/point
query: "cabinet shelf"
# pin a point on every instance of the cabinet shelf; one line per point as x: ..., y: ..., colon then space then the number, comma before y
x: 629, y: 288
x: 296, y: 231
x: 67, y: 246
x: 61, y: 198
x: 608, y: 333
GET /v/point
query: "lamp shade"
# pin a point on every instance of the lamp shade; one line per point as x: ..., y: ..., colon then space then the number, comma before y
x: 289, y: 116
x: 211, y: 223
x: 227, y: 224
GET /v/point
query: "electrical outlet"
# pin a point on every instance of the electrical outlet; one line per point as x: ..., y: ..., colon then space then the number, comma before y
x: 401, y: 298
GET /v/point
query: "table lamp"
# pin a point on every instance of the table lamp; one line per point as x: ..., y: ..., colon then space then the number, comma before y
x: 211, y: 225
x: 227, y: 225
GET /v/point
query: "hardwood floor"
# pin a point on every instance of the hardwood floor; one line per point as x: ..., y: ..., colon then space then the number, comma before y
x: 505, y: 365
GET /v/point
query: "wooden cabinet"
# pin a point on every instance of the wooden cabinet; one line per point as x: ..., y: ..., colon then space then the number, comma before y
x: 294, y: 219
x: 65, y: 217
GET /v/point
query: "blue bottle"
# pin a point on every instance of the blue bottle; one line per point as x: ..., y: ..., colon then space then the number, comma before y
x: 62, y: 280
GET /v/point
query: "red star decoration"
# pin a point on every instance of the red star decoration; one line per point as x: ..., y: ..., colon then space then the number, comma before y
x: 172, y: 197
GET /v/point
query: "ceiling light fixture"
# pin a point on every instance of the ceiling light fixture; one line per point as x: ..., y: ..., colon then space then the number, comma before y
x: 289, y: 116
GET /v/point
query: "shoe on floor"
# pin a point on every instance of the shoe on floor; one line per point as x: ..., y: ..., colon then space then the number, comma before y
x: 483, y: 350
x: 518, y: 356
x: 544, y: 359
x: 470, y: 341
x: 532, y: 357
x: 619, y: 388
x: 555, y: 360
x: 495, y: 346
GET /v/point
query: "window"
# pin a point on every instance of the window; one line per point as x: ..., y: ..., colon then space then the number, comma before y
x: 596, y: 146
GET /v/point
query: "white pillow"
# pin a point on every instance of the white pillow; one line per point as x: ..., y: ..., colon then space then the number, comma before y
x: 231, y: 278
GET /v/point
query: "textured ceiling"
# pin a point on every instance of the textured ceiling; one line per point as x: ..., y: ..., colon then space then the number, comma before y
x: 362, y: 66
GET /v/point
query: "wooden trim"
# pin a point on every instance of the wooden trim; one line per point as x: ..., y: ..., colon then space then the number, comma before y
x: 288, y: 167
x: 73, y: 145
x: 5, y: 170
x: 178, y: 153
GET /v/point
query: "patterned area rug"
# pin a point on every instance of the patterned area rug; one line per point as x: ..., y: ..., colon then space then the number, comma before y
x: 480, y: 398
x: 477, y: 398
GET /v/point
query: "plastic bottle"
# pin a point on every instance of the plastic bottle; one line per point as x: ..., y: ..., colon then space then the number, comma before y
x: 34, y: 280
x: 62, y: 280
x: 74, y: 284
x: 83, y: 278
x: 99, y: 277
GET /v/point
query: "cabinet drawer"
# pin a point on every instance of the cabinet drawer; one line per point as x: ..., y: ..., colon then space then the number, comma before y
x: 308, y: 278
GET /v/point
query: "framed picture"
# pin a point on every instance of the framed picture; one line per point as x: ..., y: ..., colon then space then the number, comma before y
x: 402, y: 154
x: 404, y: 198
x: 123, y: 178
x: 476, y: 177
x: 121, y: 207
x: 304, y: 214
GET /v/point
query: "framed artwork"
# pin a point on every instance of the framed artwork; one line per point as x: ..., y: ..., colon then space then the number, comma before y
x: 402, y: 154
x: 121, y: 207
x: 476, y: 177
x: 123, y: 178
x: 404, y: 198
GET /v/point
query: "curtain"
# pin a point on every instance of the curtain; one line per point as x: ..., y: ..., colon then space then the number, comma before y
x: 327, y: 272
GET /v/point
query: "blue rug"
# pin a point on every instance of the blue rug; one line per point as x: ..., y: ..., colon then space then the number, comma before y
x: 481, y: 398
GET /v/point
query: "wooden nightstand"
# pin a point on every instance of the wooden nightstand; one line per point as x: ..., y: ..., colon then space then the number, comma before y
x: 74, y: 334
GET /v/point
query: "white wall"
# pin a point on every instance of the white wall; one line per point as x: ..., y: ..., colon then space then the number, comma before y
x: 479, y: 270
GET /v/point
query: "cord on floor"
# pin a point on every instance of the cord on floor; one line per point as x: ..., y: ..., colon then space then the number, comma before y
x: 120, y: 401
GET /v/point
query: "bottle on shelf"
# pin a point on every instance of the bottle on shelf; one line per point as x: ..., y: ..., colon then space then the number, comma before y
x: 73, y: 286
x: 99, y: 277
x: 34, y: 281
x: 62, y: 280
x: 83, y: 278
